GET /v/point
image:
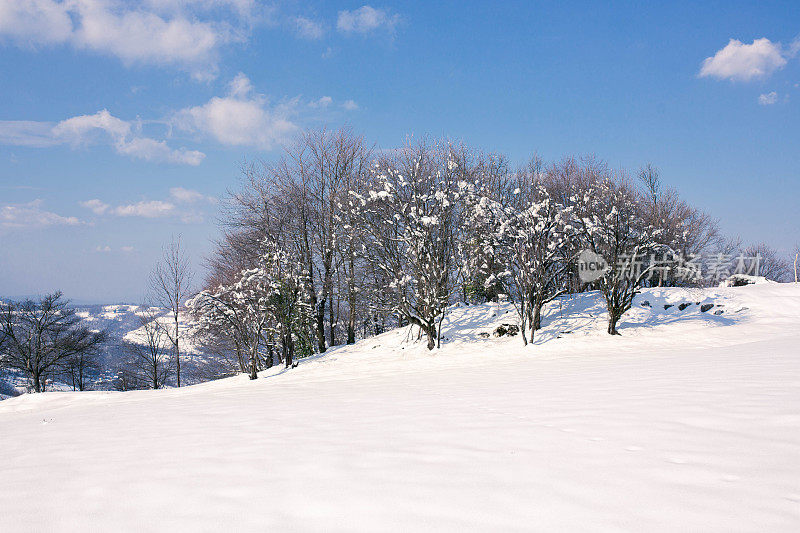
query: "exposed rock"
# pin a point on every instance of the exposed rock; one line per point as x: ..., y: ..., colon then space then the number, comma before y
x: 484, y: 334
x: 684, y: 306
x: 706, y: 307
x: 506, y: 329
x: 646, y: 303
x: 667, y: 306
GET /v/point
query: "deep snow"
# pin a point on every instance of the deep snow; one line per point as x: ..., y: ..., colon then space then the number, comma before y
x: 689, y: 421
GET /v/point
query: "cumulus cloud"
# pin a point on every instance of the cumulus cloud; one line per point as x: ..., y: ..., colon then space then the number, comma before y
x: 241, y: 118
x: 744, y: 62
x: 32, y: 215
x: 366, y: 19
x: 768, y: 98
x: 325, y: 101
x: 189, y: 196
x: 350, y: 105
x: 185, y: 34
x: 308, y: 29
x: 127, y: 249
x: 145, y: 209
x: 182, y: 203
x: 100, y: 128
x: 96, y: 206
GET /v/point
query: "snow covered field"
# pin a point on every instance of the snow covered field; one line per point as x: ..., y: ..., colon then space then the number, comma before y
x: 689, y: 421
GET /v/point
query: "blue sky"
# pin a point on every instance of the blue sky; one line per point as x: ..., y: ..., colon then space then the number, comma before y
x: 122, y: 123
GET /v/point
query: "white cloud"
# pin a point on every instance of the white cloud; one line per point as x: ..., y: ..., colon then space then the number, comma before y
x: 96, y: 206
x: 242, y: 118
x: 187, y: 34
x: 35, y: 21
x: 27, y: 133
x: 366, y: 19
x: 145, y: 209
x: 104, y: 249
x: 182, y: 203
x: 31, y: 215
x: 744, y: 62
x: 127, y: 249
x: 768, y: 98
x: 350, y: 105
x: 325, y: 101
x: 99, y: 128
x: 308, y: 29
x: 189, y: 196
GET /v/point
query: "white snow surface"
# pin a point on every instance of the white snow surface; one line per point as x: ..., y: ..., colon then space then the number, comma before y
x: 689, y: 421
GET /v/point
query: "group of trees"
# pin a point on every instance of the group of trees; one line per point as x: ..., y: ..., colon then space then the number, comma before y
x: 47, y: 342
x: 336, y: 240
x: 44, y: 340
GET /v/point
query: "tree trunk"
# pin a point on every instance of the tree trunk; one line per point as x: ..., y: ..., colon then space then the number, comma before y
x: 537, y: 314
x: 289, y: 349
x: 177, y: 352
x: 613, y: 318
x: 254, y: 361
x: 331, y: 320
x: 430, y: 331
x: 320, y: 312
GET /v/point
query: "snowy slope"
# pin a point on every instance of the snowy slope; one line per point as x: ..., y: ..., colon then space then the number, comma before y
x: 689, y: 421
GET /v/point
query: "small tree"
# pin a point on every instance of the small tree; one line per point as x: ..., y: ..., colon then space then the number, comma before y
x: 79, y: 368
x: 147, y: 356
x: 610, y: 223
x: 170, y: 284
x: 770, y: 264
x: 529, y: 239
x: 409, y: 220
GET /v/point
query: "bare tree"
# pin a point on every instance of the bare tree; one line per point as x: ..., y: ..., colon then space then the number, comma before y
x: 770, y: 264
x: 39, y: 337
x: 79, y: 368
x: 147, y: 356
x: 170, y: 285
x: 689, y: 232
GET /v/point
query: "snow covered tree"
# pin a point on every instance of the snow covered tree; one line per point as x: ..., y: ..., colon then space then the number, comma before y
x: 526, y: 235
x: 266, y: 299
x: 610, y: 223
x: 295, y: 202
x: 410, y: 218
